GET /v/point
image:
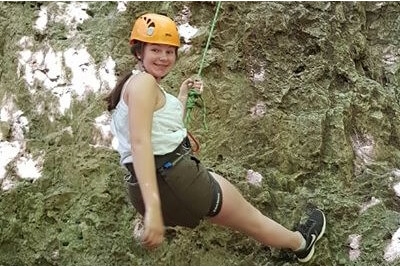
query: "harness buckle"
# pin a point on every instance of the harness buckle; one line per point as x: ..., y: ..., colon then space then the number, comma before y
x: 167, y: 165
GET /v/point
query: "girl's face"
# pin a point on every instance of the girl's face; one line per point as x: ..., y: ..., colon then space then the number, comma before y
x: 158, y: 60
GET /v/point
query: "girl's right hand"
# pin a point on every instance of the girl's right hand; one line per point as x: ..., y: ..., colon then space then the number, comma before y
x: 153, y: 234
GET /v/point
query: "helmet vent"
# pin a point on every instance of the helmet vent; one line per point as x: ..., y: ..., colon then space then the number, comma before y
x: 150, y: 28
x: 149, y: 22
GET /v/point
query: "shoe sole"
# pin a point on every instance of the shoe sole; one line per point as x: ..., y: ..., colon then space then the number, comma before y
x: 311, y: 254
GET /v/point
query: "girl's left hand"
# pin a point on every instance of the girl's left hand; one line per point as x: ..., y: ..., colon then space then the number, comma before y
x: 191, y: 83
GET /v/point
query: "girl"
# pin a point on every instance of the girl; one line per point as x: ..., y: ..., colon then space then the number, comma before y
x: 168, y: 185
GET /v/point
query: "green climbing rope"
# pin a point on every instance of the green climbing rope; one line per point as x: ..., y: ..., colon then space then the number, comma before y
x: 193, y: 96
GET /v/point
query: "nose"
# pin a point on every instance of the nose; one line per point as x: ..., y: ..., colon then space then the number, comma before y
x: 163, y: 56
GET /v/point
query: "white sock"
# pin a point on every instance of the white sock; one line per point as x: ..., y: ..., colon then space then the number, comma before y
x: 303, y: 243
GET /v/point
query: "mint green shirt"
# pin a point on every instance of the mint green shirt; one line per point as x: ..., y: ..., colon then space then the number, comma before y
x: 168, y: 129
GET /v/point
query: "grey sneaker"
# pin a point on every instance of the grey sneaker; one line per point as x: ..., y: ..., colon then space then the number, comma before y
x: 312, y: 231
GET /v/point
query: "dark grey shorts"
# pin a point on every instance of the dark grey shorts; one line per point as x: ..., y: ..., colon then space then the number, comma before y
x: 188, y: 193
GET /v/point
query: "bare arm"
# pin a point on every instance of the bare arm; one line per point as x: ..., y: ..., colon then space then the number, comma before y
x: 141, y: 96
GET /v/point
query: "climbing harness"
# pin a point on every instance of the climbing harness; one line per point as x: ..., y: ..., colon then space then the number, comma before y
x: 193, y: 96
x: 194, y: 143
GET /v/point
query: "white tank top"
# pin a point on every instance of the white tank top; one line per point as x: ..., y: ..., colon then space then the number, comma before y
x: 168, y: 130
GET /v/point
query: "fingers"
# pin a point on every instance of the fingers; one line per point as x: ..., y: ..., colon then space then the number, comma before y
x: 152, y: 239
x: 197, y: 85
x: 152, y: 244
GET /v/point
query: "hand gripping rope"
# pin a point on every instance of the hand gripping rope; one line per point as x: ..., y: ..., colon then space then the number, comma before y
x: 193, y: 96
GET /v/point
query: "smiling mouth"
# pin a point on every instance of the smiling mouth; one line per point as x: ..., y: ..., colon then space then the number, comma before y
x: 163, y: 66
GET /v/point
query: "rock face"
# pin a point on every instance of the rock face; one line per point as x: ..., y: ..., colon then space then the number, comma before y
x: 303, y: 94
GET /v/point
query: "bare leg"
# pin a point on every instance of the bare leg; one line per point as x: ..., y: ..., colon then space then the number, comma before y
x: 240, y: 215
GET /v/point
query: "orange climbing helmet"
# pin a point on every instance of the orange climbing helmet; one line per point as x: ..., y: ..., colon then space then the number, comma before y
x: 156, y: 29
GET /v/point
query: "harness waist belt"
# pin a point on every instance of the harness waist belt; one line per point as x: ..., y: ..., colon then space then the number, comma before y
x: 165, y: 161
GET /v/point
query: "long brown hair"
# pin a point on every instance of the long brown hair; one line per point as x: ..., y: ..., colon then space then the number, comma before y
x: 114, y: 96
